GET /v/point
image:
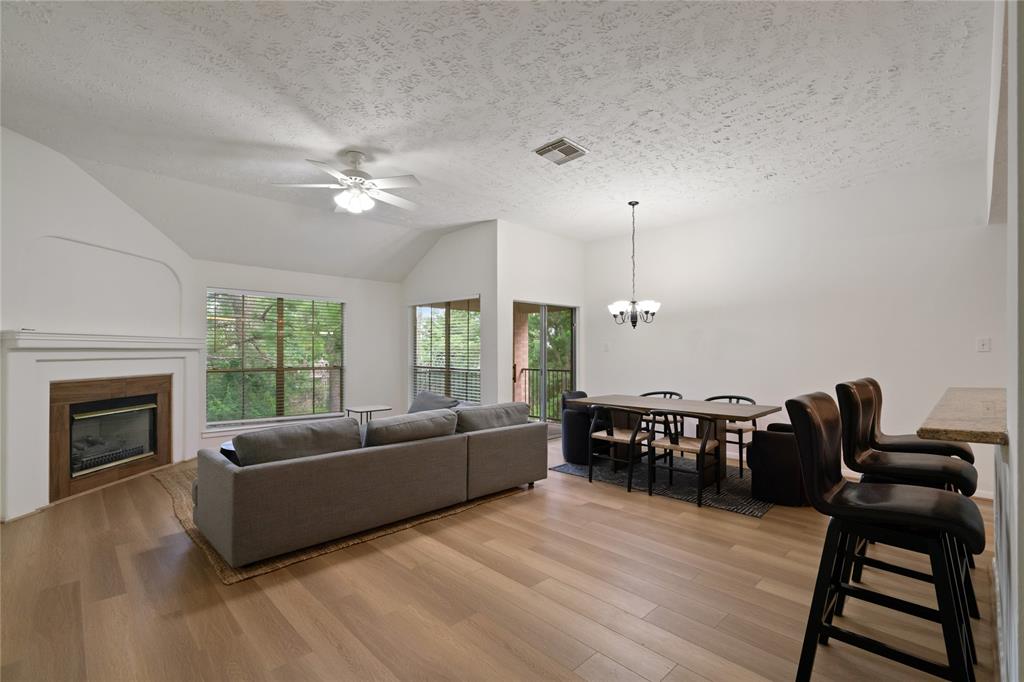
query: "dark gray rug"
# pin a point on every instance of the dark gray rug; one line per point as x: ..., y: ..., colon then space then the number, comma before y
x: 735, y: 495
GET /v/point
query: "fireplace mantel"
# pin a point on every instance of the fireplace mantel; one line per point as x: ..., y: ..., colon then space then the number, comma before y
x: 15, y: 340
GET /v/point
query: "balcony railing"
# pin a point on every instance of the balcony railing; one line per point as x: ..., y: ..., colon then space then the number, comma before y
x: 463, y: 384
x: 558, y: 381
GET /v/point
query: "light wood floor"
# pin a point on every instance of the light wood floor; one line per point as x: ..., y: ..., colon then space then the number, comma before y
x: 567, y: 580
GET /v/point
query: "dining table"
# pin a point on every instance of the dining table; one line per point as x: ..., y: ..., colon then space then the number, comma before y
x: 718, y: 414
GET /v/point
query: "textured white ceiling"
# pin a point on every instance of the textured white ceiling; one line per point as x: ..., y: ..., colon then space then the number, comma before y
x: 687, y: 107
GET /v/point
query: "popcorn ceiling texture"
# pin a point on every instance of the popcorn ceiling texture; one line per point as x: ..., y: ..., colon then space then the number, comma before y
x: 687, y: 107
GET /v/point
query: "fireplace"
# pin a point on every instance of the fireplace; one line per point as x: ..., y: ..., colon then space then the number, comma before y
x: 103, y: 430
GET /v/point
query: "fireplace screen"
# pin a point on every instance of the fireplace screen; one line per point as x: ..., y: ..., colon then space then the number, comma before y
x: 105, y: 433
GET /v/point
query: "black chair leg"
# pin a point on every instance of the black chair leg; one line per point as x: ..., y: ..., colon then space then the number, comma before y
x: 960, y: 670
x: 822, y: 593
x: 956, y: 566
x: 847, y: 566
x: 590, y: 461
x: 858, y: 565
x: 629, y: 472
x: 651, y: 456
x: 964, y: 557
x: 741, y: 453
x: 700, y: 480
x: 840, y: 570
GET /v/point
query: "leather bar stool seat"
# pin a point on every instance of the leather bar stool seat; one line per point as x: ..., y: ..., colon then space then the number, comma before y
x: 909, y: 442
x: 913, y: 508
x: 917, y: 469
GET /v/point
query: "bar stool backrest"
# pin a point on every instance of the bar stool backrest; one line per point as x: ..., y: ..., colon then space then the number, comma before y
x: 876, y: 415
x: 856, y: 409
x: 818, y: 430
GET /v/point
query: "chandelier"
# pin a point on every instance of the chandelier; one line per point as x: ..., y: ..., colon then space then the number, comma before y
x: 632, y: 309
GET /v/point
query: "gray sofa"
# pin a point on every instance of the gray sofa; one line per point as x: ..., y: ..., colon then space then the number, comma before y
x: 301, y: 485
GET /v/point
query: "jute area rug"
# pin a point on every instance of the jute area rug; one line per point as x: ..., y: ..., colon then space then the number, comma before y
x: 177, y: 481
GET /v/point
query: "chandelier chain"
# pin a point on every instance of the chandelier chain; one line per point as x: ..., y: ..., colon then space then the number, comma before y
x: 633, y: 206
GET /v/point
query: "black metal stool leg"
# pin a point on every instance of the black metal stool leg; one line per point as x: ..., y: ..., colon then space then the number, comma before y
x: 964, y: 555
x: 849, y: 558
x: 960, y: 670
x: 822, y: 591
x: 840, y: 570
x: 953, y: 561
x: 858, y: 565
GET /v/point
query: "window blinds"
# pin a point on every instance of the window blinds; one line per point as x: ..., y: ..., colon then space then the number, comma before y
x: 270, y: 356
x: 446, y: 349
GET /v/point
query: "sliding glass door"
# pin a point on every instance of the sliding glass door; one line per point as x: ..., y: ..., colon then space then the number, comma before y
x: 543, y: 349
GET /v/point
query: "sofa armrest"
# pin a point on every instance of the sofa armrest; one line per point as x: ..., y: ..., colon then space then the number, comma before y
x: 214, y: 500
x: 506, y: 457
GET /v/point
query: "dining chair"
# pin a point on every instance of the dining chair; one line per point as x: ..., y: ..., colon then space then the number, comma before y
x: 677, y: 422
x: 737, y: 428
x: 603, y: 428
x: 675, y: 442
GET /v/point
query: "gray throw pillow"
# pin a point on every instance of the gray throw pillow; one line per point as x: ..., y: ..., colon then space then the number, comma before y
x: 406, y: 427
x: 480, y: 417
x: 425, y: 400
x: 297, y: 440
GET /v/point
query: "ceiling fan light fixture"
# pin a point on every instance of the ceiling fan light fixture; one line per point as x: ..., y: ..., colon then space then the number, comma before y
x: 343, y: 199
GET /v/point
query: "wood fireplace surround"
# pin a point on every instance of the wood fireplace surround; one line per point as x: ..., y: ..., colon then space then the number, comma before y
x: 71, y: 401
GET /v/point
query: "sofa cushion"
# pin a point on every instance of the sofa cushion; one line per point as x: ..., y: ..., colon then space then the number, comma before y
x: 480, y: 417
x: 407, y: 427
x: 297, y: 440
x: 425, y: 400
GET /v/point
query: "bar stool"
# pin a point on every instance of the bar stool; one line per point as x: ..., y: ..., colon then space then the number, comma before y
x: 602, y: 428
x: 738, y: 428
x: 675, y: 442
x: 915, y: 518
x: 857, y: 408
x: 909, y: 442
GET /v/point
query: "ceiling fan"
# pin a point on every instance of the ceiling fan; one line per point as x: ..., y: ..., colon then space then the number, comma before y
x: 359, y: 189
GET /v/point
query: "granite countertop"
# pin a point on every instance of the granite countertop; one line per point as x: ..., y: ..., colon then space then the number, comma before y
x: 972, y: 415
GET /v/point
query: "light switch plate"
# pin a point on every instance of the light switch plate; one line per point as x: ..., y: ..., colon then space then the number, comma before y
x: 983, y: 344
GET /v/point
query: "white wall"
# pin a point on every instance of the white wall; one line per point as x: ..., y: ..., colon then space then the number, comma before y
x: 71, y: 247
x: 462, y: 264
x: 535, y: 267
x: 894, y: 280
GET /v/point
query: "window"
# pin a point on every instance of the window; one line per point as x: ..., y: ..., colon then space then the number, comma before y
x: 446, y: 349
x: 270, y: 356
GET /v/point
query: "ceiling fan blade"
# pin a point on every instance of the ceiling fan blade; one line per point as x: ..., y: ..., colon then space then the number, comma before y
x: 287, y: 184
x: 334, y: 173
x: 395, y: 182
x: 389, y: 198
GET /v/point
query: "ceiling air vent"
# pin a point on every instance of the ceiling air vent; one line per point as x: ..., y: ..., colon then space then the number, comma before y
x: 561, y: 151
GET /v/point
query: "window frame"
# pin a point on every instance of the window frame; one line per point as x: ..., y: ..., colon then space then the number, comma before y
x: 448, y: 369
x: 278, y: 369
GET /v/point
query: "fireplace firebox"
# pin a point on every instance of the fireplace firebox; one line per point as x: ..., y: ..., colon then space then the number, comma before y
x: 102, y: 430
